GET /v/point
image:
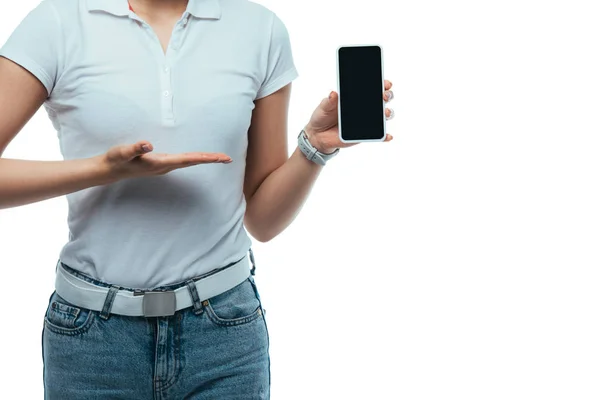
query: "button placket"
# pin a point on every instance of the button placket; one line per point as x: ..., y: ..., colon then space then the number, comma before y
x: 165, y: 70
x: 167, y: 94
x: 167, y: 89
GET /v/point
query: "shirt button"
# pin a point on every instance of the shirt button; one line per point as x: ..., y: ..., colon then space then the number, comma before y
x: 166, y: 93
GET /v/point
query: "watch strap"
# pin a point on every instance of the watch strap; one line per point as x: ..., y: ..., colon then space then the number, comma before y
x: 311, y: 152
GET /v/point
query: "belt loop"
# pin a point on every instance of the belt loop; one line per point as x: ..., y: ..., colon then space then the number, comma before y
x: 110, y: 297
x: 195, y: 298
x: 253, y: 270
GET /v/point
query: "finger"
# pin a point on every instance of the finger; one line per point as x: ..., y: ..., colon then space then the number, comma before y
x: 388, y: 95
x: 203, y: 154
x: 212, y: 157
x: 330, y: 103
x: 388, y: 138
x: 387, y: 84
x: 389, y: 113
x: 146, y: 147
x: 206, y: 158
x: 135, y: 150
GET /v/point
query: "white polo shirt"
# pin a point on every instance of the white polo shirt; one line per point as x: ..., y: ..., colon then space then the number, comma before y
x: 111, y: 83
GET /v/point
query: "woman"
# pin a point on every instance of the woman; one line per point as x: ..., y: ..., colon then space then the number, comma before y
x: 155, y: 297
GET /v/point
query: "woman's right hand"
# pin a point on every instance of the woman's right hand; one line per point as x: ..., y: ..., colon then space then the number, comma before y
x: 136, y: 160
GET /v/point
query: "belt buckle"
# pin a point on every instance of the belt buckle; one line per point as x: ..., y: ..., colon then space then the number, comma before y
x: 158, y: 304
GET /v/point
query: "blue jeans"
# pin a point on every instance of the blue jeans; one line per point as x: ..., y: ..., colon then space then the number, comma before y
x: 218, y: 349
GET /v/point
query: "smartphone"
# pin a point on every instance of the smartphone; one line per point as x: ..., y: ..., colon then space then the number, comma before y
x: 361, y: 107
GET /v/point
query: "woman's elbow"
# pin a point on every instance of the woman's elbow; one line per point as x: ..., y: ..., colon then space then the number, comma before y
x: 260, y: 232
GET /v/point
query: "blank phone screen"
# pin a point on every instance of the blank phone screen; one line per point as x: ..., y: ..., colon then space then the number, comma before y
x: 361, y: 95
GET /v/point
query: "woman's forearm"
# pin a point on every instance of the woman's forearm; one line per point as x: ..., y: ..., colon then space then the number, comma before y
x: 23, y: 182
x: 280, y: 197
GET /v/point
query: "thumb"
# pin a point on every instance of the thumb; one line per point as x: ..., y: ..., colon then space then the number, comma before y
x: 137, y: 149
x: 330, y: 103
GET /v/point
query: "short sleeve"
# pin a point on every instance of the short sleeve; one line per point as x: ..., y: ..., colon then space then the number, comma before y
x: 280, y: 65
x: 36, y: 44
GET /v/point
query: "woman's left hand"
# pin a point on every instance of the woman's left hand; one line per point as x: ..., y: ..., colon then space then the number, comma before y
x: 322, y: 130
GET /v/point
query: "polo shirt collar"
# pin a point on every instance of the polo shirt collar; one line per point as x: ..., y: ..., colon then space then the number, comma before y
x: 205, y: 8
x: 198, y: 8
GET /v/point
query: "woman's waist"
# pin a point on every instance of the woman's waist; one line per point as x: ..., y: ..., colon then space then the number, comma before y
x: 146, y: 263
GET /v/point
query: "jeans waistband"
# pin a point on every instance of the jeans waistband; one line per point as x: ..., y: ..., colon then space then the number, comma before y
x: 85, y: 291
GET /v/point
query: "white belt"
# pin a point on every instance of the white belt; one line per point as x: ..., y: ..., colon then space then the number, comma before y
x: 148, y: 303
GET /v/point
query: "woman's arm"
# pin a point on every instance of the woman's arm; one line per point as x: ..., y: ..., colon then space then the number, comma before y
x: 275, y: 186
x: 23, y: 181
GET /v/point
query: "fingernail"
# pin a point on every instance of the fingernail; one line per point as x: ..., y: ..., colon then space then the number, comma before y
x: 145, y: 147
x: 390, y: 95
x: 391, y: 113
x: 331, y: 95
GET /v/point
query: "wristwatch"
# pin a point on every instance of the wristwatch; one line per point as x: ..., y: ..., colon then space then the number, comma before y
x: 311, y: 152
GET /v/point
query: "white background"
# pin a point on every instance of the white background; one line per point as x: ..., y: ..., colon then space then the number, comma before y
x: 460, y: 261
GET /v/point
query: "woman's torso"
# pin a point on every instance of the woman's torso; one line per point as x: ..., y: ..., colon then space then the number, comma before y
x: 117, y: 86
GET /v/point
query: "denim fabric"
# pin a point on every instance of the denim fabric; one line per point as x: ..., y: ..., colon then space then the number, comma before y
x: 217, y: 350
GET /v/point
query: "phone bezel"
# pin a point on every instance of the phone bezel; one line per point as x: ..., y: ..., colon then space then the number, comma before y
x: 337, y: 57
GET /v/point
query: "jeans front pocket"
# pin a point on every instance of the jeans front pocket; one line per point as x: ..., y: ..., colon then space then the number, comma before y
x: 65, y: 318
x: 237, y: 306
